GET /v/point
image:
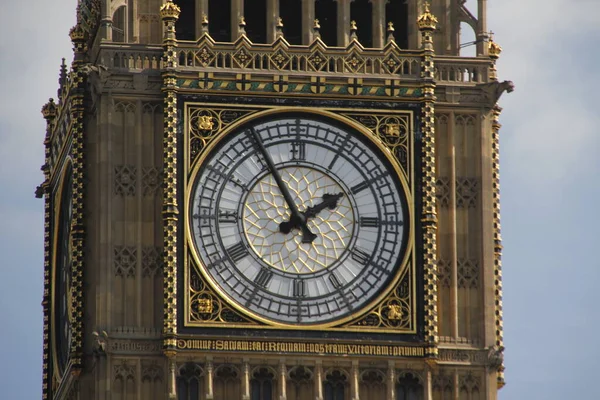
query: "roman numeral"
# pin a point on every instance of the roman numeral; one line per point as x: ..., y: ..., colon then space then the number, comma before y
x: 228, y: 216
x: 360, y: 187
x: 298, y: 150
x: 237, y: 252
x: 264, y: 277
x: 299, y: 288
x: 335, y: 281
x: 369, y: 222
x: 361, y: 256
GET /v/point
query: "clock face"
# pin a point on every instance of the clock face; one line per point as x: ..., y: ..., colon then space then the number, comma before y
x: 298, y: 220
x: 62, y: 279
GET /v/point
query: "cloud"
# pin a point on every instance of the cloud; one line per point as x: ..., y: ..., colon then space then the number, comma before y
x: 550, y: 121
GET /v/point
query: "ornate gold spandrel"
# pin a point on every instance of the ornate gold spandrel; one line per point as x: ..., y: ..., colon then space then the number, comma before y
x: 393, y: 131
x: 205, y: 305
x: 204, y: 125
x: 395, y: 311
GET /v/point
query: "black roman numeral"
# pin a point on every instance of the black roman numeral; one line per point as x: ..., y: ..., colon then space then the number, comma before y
x: 264, y: 277
x: 228, y: 216
x: 237, y: 252
x: 369, y: 222
x: 360, y: 187
x: 335, y: 281
x: 361, y: 256
x: 298, y: 150
x: 299, y: 288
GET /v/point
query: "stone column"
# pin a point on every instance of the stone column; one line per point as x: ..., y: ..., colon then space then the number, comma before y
x: 343, y: 23
x: 453, y: 229
x: 379, y: 22
x: 282, y: 380
x: 245, y: 380
x: 482, y: 31
x: 391, y: 383
x: 308, y: 17
x: 209, y: 379
x: 354, y: 389
x: 237, y: 12
x: 201, y: 10
x: 319, y: 381
x: 272, y: 15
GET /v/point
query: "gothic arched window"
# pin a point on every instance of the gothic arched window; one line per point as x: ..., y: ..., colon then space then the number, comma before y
x: 189, y: 383
x: 290, y: 12
x: 409, y: 388
x: 261, y: 385
x: 326, y: 13
x: 396, y: 11
x: 185, y: 27
x: 334, y: 387
x: 361, y: 12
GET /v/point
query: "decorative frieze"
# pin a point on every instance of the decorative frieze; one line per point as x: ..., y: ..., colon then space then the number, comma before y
x: 125, y: 260
x: 467, y: 192
x: 125, y: 180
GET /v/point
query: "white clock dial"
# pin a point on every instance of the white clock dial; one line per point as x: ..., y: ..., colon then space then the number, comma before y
x: 298, y: 220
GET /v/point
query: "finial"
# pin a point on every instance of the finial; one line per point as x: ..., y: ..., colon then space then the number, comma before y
x: 427, y: 21
x: 279, y: 27
x: 170, y: 11
x: 494, y: 48
x: 316, y: 27
x: 353, y: 29
x: 204, y: 20
x: 242, y: 26
x: 390, y: 32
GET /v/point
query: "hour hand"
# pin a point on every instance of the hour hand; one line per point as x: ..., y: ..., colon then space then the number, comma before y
x: 329, y: 201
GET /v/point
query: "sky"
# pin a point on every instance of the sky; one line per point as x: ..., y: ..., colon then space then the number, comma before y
x: 549, y: 187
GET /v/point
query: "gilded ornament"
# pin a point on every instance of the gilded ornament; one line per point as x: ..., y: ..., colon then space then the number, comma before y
x: 427, y: 21
x: 494, y: 48
x: 205, y: 123
x: 205, y: 306
x: 170, y: 10
x: 392, y: 130
x: 394, y: 312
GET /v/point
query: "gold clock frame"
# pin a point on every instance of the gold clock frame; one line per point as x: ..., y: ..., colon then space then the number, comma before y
x: 210, y: 130
x: 58, y: 198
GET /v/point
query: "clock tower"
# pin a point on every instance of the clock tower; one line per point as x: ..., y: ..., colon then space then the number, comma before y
x: 274, y: 200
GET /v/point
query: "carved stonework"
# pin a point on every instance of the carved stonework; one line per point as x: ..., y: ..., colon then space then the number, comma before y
x: 467, y: 192
x: 442, y: 191
x: 152, y: 372
x: 152, y: 261
x: 444, y: 269
x: 125, y: 180
x: 472, y: 357
x: 469, y: 383
x: 125, y: 259
x: 151, y: 181
x: 127, y: 346
x: 468, y: 273
x: 124, y: 371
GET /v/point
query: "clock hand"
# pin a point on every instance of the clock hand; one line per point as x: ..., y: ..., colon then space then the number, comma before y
x: 297, y: 218
x: 329, y: 201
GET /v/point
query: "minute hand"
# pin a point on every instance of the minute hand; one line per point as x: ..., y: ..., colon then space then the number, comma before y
x: 297, y: 216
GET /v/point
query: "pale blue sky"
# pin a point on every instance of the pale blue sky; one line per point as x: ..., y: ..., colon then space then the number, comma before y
x: 549, y: 182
